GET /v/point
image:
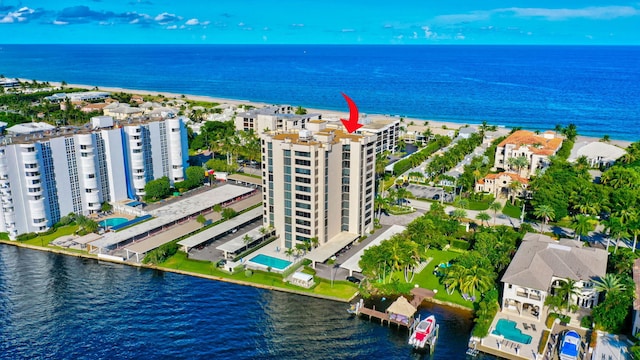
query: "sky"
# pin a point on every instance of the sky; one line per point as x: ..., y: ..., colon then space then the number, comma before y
x: 319, y: 22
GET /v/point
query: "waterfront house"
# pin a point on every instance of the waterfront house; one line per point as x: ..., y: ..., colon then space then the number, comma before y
x: 539, y: 268
x: 597, y: 153
x: 535, y: 148
x: 499, y: 185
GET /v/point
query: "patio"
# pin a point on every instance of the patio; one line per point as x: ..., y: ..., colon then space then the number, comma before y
x: 500, y: 346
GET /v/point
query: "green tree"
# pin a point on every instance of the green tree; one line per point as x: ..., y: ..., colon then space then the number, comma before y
x: 495, y: 207
x: 518, y: 163
x: 246, y: 240
x: 477, y: 278
x: 581, y: 225
x: 458, y: 214
x: 300, y: 110
x: 483, y: 217
x: 228, y: 213
x: 610, y: 285
x: 195, y: 176
x: 544, y: 212
x: 568, y: 291
x: 157, y: 189
x: 201, y: 219
x: 106, y: 207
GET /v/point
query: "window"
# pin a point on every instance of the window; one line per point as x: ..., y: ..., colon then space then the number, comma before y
x: 303, y: 188
x: 303, y: 153
x: 303, y: 162
x: 303, y: 171
x: 303, y: 205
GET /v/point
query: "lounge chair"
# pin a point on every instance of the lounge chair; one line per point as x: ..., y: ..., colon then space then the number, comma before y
x: 526, y: 327
x: 533, y: 326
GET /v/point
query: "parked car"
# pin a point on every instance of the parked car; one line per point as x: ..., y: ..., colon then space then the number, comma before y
x: 353, y: 279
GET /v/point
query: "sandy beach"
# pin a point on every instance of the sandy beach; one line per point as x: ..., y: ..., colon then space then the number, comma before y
x: 413, y: 124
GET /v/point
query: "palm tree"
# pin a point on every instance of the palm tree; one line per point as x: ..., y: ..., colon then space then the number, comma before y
x: 519, y: 163
x: 289, y: 252
x: 462, y: 203
x: 453, y: 277
x: 615, y: 228
x: 380, y: 204
x: 314, y: 241
x: 495, y: 207
x: 477, y: 278
x: 247, y: 240
x: 458, y: 214
x: 567, y: 291
x: 514, y: 187
x: 610, y: 284
x: 545, y: 212
x: 483, y: 216
x: 581, y: 225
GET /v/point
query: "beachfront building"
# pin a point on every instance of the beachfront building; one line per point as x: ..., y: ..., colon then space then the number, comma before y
x: 280, y: 117
x: 536, y: 149
x: 79, y: 96
x: 386, y: 131
x: 122, y: 111
x: 541, y: 265
x: 597, y: 153
x: 319, y: 183
x: 504, y: 184
x: 9, y: 83
x: 50, y: 174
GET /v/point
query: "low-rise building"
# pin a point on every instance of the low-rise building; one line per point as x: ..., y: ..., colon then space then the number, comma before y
x: 536, y: 149
x: 541, y: 266
x: 500, y: 185
x: 597, y: 153
x: 270, y: 118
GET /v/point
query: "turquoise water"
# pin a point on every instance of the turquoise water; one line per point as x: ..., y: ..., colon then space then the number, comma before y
x: 267, y: 260
x: 112, y: 222
x: 507, y: 328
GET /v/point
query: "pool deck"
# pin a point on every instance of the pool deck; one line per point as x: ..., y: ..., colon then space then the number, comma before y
x: 499, y: 346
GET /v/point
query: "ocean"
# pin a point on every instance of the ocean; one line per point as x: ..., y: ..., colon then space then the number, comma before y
x: 61, y: 307
x: 534, y: 87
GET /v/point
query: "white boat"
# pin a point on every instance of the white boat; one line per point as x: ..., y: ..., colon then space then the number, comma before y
x: 423, y: 332
x: 570, y: 346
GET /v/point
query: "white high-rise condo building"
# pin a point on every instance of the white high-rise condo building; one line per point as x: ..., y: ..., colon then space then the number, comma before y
x: 319, y: 183
x: 46, y: 176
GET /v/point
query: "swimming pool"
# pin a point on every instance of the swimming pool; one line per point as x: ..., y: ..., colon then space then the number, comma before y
x: 267, y: 260
x: 112, y: 222
x: 507, y: 328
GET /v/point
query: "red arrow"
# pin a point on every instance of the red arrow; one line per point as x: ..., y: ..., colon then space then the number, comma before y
x: 352, y: 124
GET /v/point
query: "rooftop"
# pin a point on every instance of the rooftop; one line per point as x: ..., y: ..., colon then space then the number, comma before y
x: 541, y: 145
x: 540, y: 258
x: 352, y: 263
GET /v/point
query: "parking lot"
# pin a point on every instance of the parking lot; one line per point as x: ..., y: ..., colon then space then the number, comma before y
x: 430, y: 192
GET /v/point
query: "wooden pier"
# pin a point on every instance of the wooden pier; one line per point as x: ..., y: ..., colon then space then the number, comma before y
x: 383, y: 317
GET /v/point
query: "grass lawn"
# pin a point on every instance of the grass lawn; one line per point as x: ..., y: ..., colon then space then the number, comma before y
x: 44, y: 240
x: 426, y: 279
x: 341, y: 289
x: 512, y: 211
x: 478, y: 205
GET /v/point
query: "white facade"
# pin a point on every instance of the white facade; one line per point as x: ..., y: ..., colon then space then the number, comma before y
x: 318, y: 183
x: 43, y: 178
x: 386, y: 132
x: 535, y: 148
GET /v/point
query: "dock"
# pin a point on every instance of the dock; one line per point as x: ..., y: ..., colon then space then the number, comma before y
x: 359, y: 309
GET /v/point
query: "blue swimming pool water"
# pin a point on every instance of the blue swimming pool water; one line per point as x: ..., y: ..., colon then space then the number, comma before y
x: 507, y: 328
x: 267, y: 260
x: 112, y: 222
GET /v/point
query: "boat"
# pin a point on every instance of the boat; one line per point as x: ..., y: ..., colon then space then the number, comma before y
x: 423, y: 332
x: 570, y: 346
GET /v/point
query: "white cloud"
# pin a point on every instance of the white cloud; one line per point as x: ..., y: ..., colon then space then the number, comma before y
x: 172, y: 27
x: 18, y: 15
x: 591, y: 12
x: 415, y: 35
x: 460, y: 36
x: 165, y: 17
x: 241, y: 24
x: 428, y: 33
x: 264, y: 38
x: 192, y: 22
x: 205, y: 23
x: 134, y: 21
x: 348, y: 30
x: 58, y: 22
x: 297, y: 25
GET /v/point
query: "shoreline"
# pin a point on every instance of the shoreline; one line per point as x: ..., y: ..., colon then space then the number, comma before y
x: 435, y: 125
x: 456, y: 307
